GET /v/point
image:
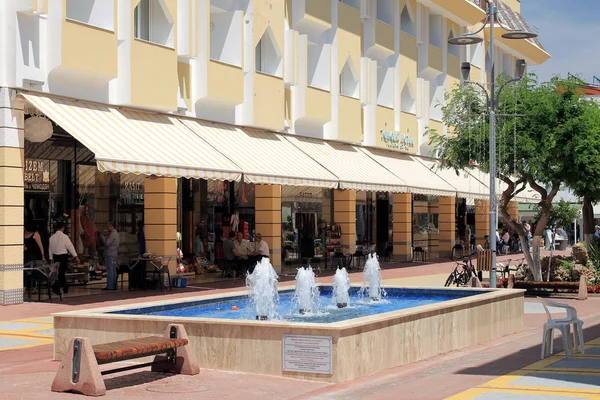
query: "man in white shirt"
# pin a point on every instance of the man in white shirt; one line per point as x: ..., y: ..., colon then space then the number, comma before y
x: 262, y: 248
x: 60, y: 247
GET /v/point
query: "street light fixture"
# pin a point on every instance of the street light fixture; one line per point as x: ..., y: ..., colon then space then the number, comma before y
x: 472, y: 38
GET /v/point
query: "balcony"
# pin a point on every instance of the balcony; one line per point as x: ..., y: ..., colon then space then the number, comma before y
x: 225, y: 82
x: 268, y: 101
x: 318, y: 104
x: 311, y: 16
x: 350, y: 120
x: 463, y: 9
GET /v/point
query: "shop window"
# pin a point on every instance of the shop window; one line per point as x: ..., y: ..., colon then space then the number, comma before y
x: 407, y: 99
x: 385, y: 87
x: 349, y: 80
x: 407, y: 24
x: 453, y: 49
x: 351, y: 3
x: 226, y: 37
x: 267, y: 56
x: 319, y: 65
x: 385, y: 11
x: 99, y: 13
x: 153, y: 23
x: 435, y: 30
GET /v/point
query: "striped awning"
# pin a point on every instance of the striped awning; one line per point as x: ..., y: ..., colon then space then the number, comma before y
x: 353, y: 167
x: 138, y: 142
x: 264, y: 157
x: 465, y: 184
x: 417, y: 178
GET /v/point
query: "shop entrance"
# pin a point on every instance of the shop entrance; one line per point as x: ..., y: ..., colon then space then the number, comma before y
x: 382, y: 215
x: 306, y: 223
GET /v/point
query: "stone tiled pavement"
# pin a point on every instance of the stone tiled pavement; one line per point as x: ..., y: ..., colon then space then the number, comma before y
x: 502, y: 369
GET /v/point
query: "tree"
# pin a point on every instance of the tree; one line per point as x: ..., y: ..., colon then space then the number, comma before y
x: 534, y: 149
x: 561, y: 215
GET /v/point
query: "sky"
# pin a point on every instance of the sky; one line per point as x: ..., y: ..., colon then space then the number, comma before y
x: 570, y: 31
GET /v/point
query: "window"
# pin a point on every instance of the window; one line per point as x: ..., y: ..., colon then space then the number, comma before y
x: 453, y: 49
x: 435, y: 30
x: 351, y: 3
x: 267, y: 57
x: 349, y: 80
x: 142, y: 20
x: 406, y: 23
x: 153, y: 23
x: 385, y: 11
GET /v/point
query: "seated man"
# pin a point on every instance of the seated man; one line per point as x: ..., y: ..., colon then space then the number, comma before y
x: 241, y: 252
x: 228, y: 254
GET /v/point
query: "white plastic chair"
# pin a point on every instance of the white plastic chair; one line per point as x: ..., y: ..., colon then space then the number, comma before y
x: 564, y: 325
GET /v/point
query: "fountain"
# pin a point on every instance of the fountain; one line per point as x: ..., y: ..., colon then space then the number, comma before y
x: 262, y: 283
x: 372, y: 275
x: 341, y: 286
x: 307, y: 291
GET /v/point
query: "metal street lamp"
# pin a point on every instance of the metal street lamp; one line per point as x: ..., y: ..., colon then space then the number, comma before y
x: 472, y: 38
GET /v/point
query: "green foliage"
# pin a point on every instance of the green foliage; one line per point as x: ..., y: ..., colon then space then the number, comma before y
x: 561, y: 214
x: 593, y: 248
x: 567, y: 266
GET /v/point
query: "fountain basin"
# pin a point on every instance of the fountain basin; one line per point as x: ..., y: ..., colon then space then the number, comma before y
x: 358, y: 347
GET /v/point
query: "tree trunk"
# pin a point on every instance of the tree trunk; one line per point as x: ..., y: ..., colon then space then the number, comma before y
x: 551, y: 251
x: 536, y: 265
x: 588, y: 218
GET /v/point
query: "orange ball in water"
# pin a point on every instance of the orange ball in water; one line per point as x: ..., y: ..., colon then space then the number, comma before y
x: 234, y: 308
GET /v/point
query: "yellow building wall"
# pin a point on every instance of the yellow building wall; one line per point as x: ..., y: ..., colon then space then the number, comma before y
x: 402, y: 226
x: 318, y: 10
x: 350, y: 36
x: 475, y: 73
x: 385, y: 122
x: 514, y: 4
x: 268, y: 220
x: 268, y: 101
x: 410, y: 126
x: 40, y: 4
x: 225, y: 81
x: 435, y: 58
x: 344, y: 215
x: 318, y: 104
x: 149, y: 61
x: 384, y: 35
x: 268, y: 90
x: 350, y: 120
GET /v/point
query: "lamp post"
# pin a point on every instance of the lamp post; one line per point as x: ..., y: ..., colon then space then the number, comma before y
x: 471, y: 38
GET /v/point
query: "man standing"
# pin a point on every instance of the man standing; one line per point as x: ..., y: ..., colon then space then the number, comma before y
x: 111, y: 251
x: 60, y: 247
x: 527, y: 229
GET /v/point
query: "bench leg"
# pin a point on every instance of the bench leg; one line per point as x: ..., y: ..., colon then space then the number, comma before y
x: 79, y: 371
x: 185, y: 359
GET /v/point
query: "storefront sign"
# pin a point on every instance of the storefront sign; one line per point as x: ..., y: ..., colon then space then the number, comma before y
x: 307, y: 353
x: 37, y: 175
x: 132, y: 193
x: 396, y: 140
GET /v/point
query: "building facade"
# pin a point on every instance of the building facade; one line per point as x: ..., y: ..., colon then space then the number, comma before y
x: 184, y: 113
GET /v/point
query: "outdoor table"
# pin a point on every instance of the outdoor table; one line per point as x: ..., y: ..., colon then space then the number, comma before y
x: 38, y: 269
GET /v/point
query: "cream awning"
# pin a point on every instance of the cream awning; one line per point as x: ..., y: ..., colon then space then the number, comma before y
x: 353, y: 167
x: 465, y: 184
x: 417, y: 178
x: 138, y: 142
x: 264, y: 157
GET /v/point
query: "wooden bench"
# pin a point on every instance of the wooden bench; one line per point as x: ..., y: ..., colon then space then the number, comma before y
x: 79, y: 371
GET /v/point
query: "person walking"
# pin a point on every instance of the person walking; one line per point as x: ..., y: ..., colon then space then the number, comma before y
x: 59, y: 248
x: 111, y: 251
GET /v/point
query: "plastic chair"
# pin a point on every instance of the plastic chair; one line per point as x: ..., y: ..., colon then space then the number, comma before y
x: 564, y: 325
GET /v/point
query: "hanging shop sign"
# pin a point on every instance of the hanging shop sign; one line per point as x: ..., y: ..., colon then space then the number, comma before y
x: 36, y: 175
x: 396, y: 140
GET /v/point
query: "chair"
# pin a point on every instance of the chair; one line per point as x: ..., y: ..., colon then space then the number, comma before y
x: 458, y: 248
x: 421, y: 251
x: 123, y: 267
x: 564, y: 325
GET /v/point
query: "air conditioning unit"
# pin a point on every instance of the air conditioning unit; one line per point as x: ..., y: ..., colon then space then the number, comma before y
x: 365, y: 9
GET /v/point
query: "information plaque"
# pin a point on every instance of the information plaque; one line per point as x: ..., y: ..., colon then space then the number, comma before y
x: 306, y: 353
